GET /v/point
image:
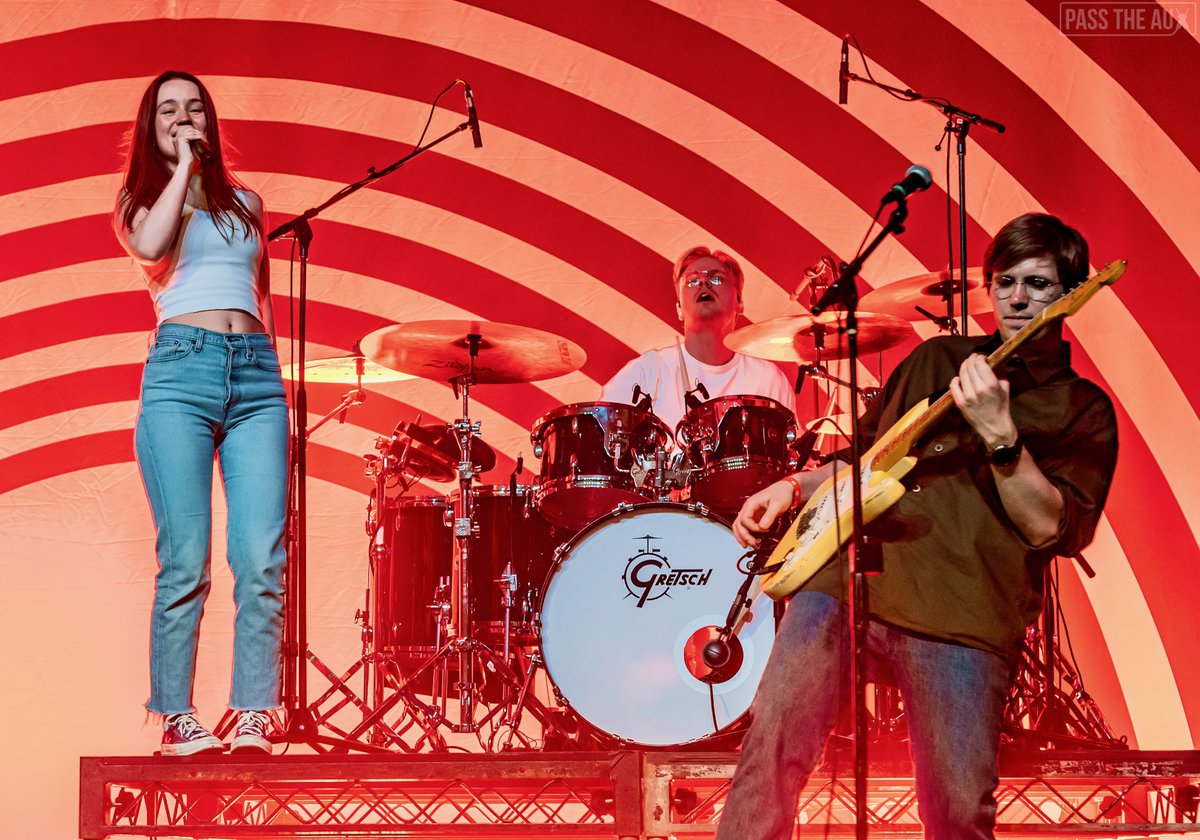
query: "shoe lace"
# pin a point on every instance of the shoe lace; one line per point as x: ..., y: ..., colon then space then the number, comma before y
x: 252, y: 723
x: 187, y: 726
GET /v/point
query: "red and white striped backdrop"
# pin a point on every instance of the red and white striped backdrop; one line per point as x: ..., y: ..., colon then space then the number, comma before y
x: 616, y: 134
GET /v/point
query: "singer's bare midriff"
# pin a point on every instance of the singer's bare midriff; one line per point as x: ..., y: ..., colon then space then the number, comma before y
x: 220, y: 320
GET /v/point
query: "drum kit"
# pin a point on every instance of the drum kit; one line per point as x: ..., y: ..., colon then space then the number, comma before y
x: 611, y: 571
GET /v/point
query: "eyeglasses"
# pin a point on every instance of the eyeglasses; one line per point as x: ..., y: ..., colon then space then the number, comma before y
x: 714, y: 278
x: 1036, y: 288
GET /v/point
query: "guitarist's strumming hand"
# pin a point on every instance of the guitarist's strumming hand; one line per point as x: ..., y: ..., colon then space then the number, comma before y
x: 760, y: 511
x: 983, y: 400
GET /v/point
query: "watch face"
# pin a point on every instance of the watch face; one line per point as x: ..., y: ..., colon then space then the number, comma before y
x: 1005, y: 456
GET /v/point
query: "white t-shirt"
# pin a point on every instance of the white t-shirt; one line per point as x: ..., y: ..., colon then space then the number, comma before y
x: 658, y: 374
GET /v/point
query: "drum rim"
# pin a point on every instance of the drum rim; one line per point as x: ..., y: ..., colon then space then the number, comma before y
x: 559, y: 554
x: 418, y: 501
x: 572, y: 410
x: 494, y: 490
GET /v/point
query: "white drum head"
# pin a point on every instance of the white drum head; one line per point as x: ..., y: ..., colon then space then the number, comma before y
x: 625, y: 615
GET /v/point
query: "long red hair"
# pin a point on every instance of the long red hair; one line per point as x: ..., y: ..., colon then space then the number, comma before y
x: 147, y: 173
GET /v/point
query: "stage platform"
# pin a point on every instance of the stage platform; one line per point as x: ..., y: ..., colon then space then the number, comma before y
x: 620, y: 794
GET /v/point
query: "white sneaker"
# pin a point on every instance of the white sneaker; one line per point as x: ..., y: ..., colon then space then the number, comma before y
x: 252, y: 733
x: 184, y: 735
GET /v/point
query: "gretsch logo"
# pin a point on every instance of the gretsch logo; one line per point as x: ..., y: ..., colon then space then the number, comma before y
x: 648, y: 575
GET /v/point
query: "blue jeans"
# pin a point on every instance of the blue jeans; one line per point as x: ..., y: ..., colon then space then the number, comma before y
x: 953, y: 701
x: 206, y: 392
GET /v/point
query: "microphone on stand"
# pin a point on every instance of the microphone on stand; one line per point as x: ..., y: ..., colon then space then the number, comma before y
x: 844, y: 73
x: 472, y: 115
x: 916, y: 179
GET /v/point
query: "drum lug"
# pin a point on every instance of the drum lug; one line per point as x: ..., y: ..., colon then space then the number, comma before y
x: 462, y: 528
x: 537, y: 449
x: 621, y: 508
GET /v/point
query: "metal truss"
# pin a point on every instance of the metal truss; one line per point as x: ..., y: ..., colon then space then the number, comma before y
x: 360, y: 796
x: 612, y: 794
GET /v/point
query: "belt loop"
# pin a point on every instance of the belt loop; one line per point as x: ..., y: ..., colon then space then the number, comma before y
x: 249, y: 352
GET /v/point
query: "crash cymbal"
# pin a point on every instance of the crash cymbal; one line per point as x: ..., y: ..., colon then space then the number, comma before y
x: 432, y: 450
x: 344, y: 370
x: 930, y: 292
x: 507, y: 353
x: 805, y: 338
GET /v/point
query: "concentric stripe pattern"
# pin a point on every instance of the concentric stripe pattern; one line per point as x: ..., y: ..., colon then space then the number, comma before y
x: 615, y: 135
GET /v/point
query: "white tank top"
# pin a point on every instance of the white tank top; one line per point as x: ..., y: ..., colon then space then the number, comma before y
x: 207, y: 272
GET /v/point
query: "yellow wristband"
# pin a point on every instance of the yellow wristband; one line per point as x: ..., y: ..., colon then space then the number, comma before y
x: 797, y: 491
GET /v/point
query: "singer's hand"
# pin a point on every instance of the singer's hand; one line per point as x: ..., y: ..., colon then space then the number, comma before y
x: 184, y: 135
x: 759, y: 511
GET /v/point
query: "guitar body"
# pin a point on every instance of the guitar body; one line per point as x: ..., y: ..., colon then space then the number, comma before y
x: 826, y: 521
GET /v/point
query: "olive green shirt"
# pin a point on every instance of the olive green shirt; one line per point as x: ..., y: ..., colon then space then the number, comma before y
x: 955, y: 568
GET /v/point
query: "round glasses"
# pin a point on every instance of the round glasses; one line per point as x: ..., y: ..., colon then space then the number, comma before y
x: 1036, y: 288
x: 714, y: 278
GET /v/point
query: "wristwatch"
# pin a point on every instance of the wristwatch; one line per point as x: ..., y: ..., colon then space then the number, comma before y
x: 1005, y: 455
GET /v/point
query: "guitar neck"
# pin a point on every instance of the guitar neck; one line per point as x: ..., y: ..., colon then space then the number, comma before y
x: 899, y: 445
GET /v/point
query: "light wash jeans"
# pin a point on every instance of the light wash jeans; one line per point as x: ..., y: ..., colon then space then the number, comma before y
x: 206, y: 392
x: 953, y: 701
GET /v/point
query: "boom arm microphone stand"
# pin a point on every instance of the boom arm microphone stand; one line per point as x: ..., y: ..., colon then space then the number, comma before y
x: 864, y: 559
x: 958, y: 122
x: 301, y: 727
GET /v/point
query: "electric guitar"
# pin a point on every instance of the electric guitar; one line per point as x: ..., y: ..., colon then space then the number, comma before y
x: 826, y: 520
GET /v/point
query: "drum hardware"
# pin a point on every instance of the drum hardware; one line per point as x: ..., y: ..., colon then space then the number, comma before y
x: 474, y: 352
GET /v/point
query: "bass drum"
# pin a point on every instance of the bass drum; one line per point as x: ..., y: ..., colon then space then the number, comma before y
x: 628, y: 607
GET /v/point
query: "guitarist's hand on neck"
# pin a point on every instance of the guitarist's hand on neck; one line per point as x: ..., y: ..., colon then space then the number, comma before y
x: 1031, y: 501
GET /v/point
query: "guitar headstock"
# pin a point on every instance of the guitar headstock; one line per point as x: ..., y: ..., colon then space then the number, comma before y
x: 1074, y: 300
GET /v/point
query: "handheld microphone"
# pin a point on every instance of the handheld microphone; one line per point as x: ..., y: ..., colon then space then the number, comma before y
x: 844, y: 73
x: 201, y: 150
x: 472, y: 115
x: 916, y: 179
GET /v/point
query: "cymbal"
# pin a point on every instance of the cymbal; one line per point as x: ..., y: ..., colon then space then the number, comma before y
x: 439, y: 350
x: 433, y: 450
x: 345, y: 370
x: 794, y: 338
x: 929, y: 291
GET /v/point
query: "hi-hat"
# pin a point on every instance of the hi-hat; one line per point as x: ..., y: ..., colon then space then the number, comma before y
x: 347, y: 370
x: 432, y: 450
x: 439, y: 350
x: 930, y: 292
x: 805, y: 338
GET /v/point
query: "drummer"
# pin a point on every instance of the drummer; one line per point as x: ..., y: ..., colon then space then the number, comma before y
x: 708, y: 300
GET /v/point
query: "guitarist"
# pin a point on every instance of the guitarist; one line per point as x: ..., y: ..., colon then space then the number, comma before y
x: 1016, y: 476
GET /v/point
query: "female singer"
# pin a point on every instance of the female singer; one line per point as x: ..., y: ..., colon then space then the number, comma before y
x: 211, y: 384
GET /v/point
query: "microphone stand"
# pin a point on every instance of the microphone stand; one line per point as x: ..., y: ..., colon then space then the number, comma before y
x: 301, y: 726
x: 959, y: 122
x: 864, y: 559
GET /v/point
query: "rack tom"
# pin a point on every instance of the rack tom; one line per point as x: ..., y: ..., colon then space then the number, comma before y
x: 595, y: 456
x: 735, y: 445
